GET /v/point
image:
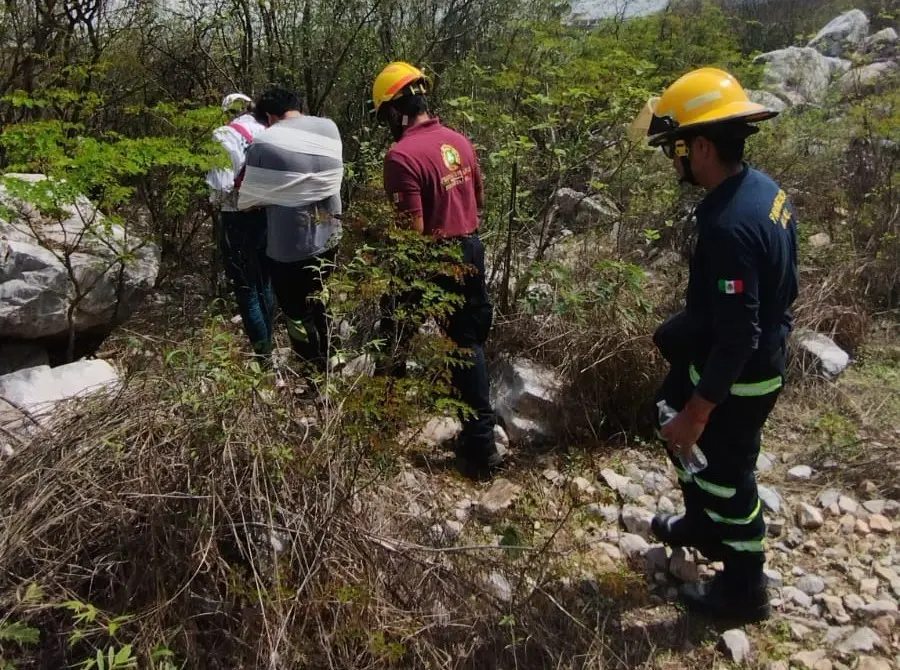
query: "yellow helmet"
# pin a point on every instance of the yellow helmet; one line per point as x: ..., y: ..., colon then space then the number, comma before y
x: 700, y: 98
x: 396, y: 80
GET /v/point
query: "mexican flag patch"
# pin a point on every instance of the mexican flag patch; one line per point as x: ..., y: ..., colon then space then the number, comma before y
x: 731, y: 286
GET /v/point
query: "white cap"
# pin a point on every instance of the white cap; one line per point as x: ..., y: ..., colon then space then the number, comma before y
x: 229, y: 100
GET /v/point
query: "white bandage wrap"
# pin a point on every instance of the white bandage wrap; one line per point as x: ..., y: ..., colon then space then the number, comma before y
x: 262, y: 186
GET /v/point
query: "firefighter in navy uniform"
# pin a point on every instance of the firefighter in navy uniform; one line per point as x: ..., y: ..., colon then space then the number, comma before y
x: 726, y: 349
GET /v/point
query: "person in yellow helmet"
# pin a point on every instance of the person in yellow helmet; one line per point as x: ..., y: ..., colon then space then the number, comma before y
x: 432, y: 175
x: 726, y: 348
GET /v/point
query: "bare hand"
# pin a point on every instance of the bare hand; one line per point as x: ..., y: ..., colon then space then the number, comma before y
x: 682, y: 433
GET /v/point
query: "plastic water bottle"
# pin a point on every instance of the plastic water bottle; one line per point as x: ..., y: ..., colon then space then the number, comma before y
x: 697, y: 461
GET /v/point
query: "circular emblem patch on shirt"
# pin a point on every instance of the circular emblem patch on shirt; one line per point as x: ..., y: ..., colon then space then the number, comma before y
x: 451, y: 157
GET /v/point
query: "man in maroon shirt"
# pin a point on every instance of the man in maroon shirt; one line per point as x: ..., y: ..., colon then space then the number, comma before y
x: 431, y: 174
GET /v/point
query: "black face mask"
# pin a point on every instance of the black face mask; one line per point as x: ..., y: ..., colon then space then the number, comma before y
x: 687, y: 172
x: 394, y: 121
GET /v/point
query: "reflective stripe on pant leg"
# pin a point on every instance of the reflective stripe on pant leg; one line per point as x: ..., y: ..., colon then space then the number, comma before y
x: 731, y: 503
x: 684, y: 476
x: 749, y: 546
x: 296, y: 330
x: 743, y: 521
x: 716, y: 490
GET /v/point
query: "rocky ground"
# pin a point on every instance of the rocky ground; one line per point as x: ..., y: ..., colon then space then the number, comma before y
x: 828, y: 481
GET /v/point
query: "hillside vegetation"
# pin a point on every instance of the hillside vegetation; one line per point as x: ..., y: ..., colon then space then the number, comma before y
x: 204, y: 516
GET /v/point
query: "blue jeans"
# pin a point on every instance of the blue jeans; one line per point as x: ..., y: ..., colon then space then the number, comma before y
x: 242, y: 242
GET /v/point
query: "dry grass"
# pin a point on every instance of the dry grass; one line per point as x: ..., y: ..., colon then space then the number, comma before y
x: 847, y: 428
x: 590, y: 317
x: 243, y: 529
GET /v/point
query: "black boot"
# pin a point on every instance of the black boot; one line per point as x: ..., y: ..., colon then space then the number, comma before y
x: 479, y: 464
x: 673, y: 529
x: 740, y: 599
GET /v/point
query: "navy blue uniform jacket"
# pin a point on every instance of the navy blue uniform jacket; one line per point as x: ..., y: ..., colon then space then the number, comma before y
x: 742, y: 284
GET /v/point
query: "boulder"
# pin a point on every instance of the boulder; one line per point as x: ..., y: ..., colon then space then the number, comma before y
x: 808, y: 517
x: 799, y: 473
x: 881, y: 524
x: 633, y: 546
x: 829, y: 359
x: 862, y: 639
x: 764, y: 462
x: 735, y: 644
x: 526, y: 397
x: 871, y: 663
x: 113, y: 268
x: 811, y: 585
x: 853, y: 602
x: 656, y: 560
x: 828, y: 497
x: 607, y: 513
x: 39, y: 390
x: 767, y: 99
x: 439, y: 430
x: 584, y: 211
x: 774, y: 578
x: 880, y: 608
x: 868, y: 78
x: 875, y: 506
x: 795, y: 595
x: 496, y: 499
x: 361, y: 366
x: 771, y: 498
x: 637, y: 520
x: 683, y: 567
x: 883, y: 44
x: 809, y: 660
x: 841, y: 34
x: 580, y: 486
x: 799, y: 631
x: 799, y: 75
x: 498, y: 586
x: 847, y: 505
x: 666, y: 506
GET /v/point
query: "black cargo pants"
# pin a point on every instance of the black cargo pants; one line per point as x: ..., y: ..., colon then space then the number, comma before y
x: 468, y: 326
x: 723, y: 511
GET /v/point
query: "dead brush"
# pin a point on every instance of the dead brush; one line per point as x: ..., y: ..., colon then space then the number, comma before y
x: 854, y: 446
x: 596, y: 328
x: 829, y: 303
x: 200, y: 519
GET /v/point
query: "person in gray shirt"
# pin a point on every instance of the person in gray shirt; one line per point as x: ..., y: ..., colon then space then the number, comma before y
x: 294, y: 169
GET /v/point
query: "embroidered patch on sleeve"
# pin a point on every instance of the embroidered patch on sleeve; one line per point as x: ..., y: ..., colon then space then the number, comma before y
x: 731, y: 286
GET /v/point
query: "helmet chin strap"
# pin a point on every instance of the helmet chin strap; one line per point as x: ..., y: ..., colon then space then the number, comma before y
x: 683, y: 152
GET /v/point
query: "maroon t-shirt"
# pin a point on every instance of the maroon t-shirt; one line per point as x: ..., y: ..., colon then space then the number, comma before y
x: 433, y: 171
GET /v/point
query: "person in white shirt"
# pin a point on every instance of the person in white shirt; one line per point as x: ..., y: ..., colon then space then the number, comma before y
x: 242, y: 235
